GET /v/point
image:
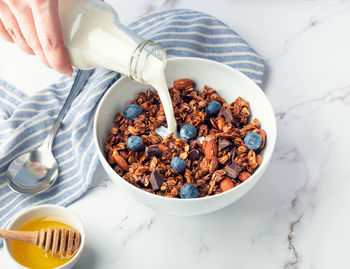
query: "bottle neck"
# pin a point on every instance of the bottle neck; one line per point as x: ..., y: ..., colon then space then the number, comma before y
x: 139, y: 58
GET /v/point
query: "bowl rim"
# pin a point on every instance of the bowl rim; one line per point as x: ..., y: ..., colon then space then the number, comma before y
x: 272, y: 133
x: 51, y: 207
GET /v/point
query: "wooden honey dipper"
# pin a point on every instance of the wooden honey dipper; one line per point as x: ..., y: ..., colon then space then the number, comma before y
x: 57, y: 240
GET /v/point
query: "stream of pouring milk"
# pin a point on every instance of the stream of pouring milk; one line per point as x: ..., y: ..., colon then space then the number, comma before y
x: 153, y: 73
x: 93, y: 37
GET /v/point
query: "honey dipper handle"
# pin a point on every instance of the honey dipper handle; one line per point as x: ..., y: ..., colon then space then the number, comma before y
x: 29, y: 237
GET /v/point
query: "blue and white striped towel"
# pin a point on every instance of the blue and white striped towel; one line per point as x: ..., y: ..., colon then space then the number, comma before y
x: 25, y: 121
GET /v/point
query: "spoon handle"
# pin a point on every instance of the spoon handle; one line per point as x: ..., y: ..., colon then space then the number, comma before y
x: 58, y: 240
x: 78, y: 83
x: 29, y: 237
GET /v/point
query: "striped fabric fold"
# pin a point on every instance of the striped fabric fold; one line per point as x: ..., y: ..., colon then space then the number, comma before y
x: 25, y: 121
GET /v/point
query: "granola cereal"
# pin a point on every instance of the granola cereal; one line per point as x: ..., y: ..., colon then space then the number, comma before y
x: 216, y: 163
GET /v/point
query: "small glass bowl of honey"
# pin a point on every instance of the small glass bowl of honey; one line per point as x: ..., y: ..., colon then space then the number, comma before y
x: 26, y: 255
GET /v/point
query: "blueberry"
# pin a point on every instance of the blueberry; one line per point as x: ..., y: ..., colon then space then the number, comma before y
x: 252, y: 140
x: 213, y: 108
x: 188, y: 191
x: 188, y: 132
x: 132, y: 111
x: 135, y: 143
x: 178, y: 164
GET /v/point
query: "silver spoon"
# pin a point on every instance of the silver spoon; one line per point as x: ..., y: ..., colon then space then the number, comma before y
x: 34, y: 172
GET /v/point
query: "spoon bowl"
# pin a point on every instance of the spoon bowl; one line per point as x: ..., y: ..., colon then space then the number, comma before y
x: 33, y: 172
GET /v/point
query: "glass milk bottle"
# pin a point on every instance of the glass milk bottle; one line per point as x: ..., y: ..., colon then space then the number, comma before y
x: 94, y: 37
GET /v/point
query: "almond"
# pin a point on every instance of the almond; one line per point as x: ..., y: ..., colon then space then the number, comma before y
x: 213, y: 165
x: 210, y: 149
x: 221, y: 123
x: 111, y: 160
x: 183, y: 83
x: 263, y: 138
x: 120, y: 161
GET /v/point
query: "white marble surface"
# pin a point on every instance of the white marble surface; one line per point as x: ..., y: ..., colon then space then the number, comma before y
x: 298, y: 215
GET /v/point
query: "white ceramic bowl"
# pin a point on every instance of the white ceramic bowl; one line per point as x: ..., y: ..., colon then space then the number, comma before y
x: 47, y: 210
x: 230, y: 84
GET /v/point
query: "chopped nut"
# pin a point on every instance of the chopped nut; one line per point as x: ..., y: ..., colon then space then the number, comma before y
x: 183, y: 83
x: 252, y: 160
x: 242, y: 149
x: 214, y: 163
x: 243, y: 176
x: 210, y: 149
x: 221, y: 123
x: 120, y: 161
x: 263, y: 138
x: 226, y: 184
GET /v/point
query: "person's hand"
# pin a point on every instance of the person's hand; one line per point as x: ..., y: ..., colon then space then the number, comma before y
x: 34, y: 26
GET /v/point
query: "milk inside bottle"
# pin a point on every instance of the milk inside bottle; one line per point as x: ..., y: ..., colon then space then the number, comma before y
x: 94, y: 37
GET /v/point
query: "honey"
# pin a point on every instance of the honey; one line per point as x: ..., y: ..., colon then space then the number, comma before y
x: 32, y: 256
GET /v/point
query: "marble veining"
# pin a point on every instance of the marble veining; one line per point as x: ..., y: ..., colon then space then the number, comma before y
x: 332, y: 9
x: 203, y: 248
x: 341, y: 94
x: 140, y: 230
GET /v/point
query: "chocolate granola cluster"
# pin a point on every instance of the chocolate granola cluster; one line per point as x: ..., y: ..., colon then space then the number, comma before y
x: 226, y: 154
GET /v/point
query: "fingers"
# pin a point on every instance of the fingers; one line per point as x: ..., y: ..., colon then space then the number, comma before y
x: 35, y: 27
x: 4, y: 34
x: 25, y: 19
x: 49, y: 32
x: 10, y: 23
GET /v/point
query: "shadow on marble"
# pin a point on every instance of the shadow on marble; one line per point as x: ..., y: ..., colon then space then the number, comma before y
x: 87, y: 259
x: 266, y: 77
